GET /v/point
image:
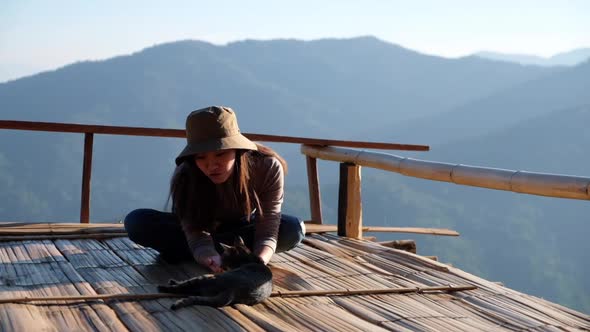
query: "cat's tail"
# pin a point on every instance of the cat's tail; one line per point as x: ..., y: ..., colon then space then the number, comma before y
x: 220, y: 300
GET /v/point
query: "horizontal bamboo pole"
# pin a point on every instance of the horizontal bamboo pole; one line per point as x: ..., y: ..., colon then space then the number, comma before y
x: 56, y: 224
x: 180, y: 133
x: 97, y: 129
x: 47, y: 231
x: 104, y: 297
x: 152, y: 296
x: 95, y: 236
x: 58, y: 228
x: 345, y: 292
x: 312, y: 228
x: 542, y: 184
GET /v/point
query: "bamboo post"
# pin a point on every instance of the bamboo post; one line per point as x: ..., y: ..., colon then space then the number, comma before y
x: 350, y: 222
x: 313, y: 181
x: 86, y: 175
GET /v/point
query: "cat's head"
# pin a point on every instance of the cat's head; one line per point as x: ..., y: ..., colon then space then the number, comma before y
x: 237, y: 255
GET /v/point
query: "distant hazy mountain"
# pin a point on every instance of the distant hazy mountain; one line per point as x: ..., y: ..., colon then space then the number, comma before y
x: 566, y: 89
x: 377, y: 79
x: 552, y: 143
x: 318, y: 83
x: 12, y: 71
x: 570, y: 58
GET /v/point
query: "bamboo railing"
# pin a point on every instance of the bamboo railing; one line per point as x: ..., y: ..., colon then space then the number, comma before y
x: 90, y: 130
x: 350, y: 215
x: 349, y: 206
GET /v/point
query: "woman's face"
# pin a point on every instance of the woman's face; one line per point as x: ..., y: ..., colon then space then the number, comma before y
x: 216, y: 165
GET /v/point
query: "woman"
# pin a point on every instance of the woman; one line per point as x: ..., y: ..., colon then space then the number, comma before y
x: 224, y: 185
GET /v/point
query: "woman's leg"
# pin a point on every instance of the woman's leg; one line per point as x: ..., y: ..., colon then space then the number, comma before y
x: 291, y: 233
x: 158, y: 230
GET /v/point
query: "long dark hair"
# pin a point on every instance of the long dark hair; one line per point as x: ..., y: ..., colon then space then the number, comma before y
x: 193, y: 195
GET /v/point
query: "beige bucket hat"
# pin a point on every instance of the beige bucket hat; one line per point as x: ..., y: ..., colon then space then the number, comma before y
x: 211, y: 129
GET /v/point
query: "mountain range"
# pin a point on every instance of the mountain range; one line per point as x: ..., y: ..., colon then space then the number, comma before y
x: 504, y: 107
x: 570, y: 58
x: 470, y: 110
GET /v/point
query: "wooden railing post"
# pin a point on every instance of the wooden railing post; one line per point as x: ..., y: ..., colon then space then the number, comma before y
x: 350, y: 215
x: 313, y: 181
x: 86, y: 175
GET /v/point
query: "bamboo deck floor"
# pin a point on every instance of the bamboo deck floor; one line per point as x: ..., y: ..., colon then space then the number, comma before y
x: 115, y: 265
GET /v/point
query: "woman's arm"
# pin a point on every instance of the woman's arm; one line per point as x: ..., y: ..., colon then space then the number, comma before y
x: 265, y: 253
x: 211, y: 262
x: 202, y: 248
x: 269, y: 179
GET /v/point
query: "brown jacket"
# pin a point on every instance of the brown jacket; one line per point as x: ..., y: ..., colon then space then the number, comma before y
x: 267, y: 179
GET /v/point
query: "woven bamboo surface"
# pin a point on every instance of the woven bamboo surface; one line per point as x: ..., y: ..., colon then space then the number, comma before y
x: 74, y: 267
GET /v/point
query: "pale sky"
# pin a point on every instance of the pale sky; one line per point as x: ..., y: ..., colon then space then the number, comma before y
x: 38, y: 35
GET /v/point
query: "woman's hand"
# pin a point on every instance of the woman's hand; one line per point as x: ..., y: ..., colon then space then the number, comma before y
x: 211, y: 262
x: 265, y: 253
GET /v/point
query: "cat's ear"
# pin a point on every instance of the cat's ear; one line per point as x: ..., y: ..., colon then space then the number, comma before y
x: 224, y: 247
x: 240, y: 246
x: 239, y: 242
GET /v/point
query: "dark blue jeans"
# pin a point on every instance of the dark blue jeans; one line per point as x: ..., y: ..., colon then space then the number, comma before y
x: 162, y: 232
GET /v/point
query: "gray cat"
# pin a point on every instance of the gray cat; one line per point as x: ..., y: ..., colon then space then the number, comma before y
x: 247, y: 280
